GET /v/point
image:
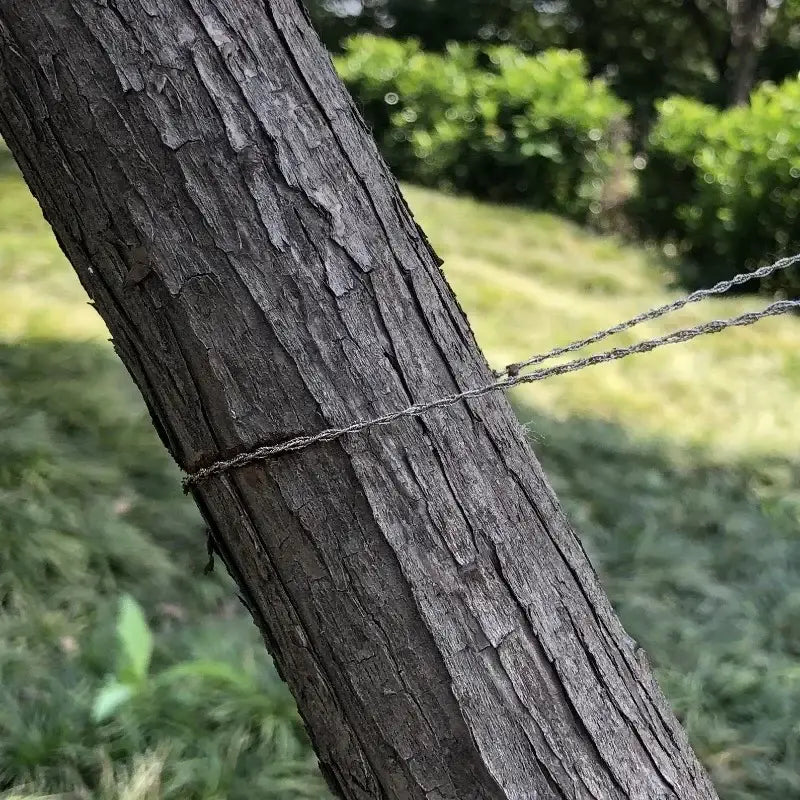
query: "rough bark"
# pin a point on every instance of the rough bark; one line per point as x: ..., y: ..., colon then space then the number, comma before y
x: 418, y: 585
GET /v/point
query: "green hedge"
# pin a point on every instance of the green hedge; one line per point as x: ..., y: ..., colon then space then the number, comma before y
x: 492, y: 121
x: 724, y: 186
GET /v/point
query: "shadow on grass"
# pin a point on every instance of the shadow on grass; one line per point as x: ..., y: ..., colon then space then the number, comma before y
x: 701, y: 560
x: 702, y: 563
x: 79, y: 453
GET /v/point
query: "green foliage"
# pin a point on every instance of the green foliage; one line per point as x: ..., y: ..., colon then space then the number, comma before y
x: 492, y: 122
x: 136, y: 641
x: 724, y: 187
x: 136, y: 649
x: 91, y: 509
x: 436, y: 23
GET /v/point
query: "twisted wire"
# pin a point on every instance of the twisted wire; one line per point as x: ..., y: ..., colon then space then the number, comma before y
x: 653, y: 313
x: 502, y: 384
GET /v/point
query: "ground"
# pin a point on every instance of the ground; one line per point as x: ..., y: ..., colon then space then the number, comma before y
x: 678, y: 468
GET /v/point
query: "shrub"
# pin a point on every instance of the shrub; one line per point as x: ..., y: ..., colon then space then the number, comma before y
x: 724, y: 186
x: 492, y: 122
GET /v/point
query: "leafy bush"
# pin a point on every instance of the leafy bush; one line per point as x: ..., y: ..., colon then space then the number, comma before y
x: 492, y: 122
x: 724, y: 186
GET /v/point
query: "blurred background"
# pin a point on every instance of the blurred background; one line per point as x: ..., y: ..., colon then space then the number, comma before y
x: 574, y: 163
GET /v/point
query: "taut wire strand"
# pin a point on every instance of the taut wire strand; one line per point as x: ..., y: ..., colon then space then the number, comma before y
x: 653, y: 313
x: 503, y: 384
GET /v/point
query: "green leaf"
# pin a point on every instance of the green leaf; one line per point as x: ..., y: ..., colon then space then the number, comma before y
x: 135, y: 639
x: 213, y: 671
x: 109, y: 699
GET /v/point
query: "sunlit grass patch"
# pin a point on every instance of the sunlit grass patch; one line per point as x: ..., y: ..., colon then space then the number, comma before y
x: 40, y: 296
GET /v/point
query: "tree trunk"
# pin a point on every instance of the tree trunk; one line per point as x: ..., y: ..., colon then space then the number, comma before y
x: 261, y: 276
x: 750, y: 24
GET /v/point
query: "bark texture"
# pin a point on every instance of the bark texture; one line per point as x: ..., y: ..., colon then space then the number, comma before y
x: 418, y: 585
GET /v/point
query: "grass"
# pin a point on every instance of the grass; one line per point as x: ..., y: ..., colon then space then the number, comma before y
x: 532, y: 281
x: 680, y: 470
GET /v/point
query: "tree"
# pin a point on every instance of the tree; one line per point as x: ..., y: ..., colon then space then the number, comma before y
x: 417, y: 585
x: 750, y: 21
x: 709, y: 49
x: 435, y: 23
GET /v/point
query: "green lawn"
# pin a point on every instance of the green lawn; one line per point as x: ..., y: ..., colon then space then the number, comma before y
x: 531, y: 281
x: 679, y: 468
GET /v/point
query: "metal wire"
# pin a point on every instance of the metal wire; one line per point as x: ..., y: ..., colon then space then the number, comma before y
x: 653, y: 313
x: 503, y: 384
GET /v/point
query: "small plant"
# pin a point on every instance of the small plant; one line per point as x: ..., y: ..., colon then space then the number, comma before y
x: 214, y: 722
x: 136, y: 649
x: 133, y: 677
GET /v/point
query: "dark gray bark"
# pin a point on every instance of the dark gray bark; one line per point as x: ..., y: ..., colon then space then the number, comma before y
x: 418, y: 585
